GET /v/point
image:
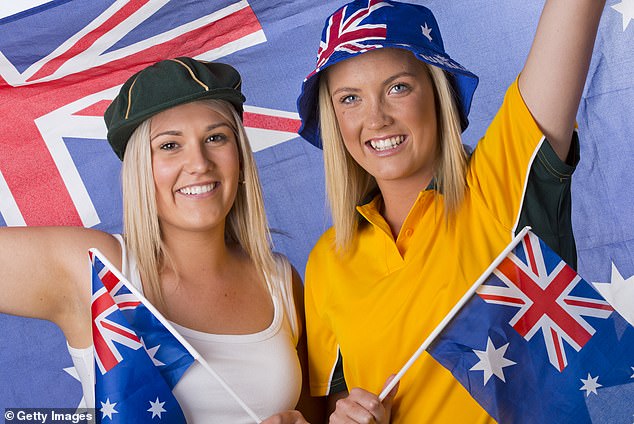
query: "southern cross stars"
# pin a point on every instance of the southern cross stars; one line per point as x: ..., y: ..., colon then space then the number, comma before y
x: 156, y: 408
x: 590, y: 385
x: 107, y: 409
x: 492, y: 361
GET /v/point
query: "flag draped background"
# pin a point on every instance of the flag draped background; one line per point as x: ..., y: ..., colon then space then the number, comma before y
x: 62, y: 61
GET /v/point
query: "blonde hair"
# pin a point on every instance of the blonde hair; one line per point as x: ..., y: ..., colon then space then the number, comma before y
x: 349, y: 185
x: 246, y: 222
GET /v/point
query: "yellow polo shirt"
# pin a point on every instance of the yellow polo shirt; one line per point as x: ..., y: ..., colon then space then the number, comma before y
x: 374, y: 306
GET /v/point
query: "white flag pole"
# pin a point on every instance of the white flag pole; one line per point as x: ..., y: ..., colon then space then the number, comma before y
x: 175, y: 333
x: 440, y: 327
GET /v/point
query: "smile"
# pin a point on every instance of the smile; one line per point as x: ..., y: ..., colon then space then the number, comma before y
x: 386, y: 143
x: 198, y: 189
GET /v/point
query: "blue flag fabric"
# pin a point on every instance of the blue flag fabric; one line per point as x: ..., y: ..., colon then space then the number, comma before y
x: 137, y: 360
x: 538, y: 344
x: 62, y: 61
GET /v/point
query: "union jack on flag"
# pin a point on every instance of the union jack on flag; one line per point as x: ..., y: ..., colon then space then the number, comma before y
x: 52, y: 98
x: 491, y: 348
x: 138, y: 361
x: 111, y: 296
x: 350, y: 33
x: 545, y: 301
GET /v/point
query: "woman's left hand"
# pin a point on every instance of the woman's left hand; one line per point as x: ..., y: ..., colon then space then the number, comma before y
x: 286, y: 417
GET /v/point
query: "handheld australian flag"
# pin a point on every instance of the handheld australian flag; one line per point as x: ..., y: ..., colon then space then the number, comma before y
x: 137, y: 359
x: 538, y: 344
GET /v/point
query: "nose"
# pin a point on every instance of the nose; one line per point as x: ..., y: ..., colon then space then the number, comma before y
x: 378, y: 114
x: 197, y: 159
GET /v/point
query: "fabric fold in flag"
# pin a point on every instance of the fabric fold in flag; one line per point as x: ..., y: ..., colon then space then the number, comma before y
x: 536, y: 343
x: 138, y: 360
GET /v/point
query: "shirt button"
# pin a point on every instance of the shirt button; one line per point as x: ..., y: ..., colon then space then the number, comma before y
x: 409, y: 232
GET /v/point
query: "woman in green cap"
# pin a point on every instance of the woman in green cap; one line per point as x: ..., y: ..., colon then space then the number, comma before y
x: 196, y: 243
x: 415, y: 220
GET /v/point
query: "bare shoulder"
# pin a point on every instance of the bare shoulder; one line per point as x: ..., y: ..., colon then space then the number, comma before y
x: 67, y: 246
x: 45, y: 273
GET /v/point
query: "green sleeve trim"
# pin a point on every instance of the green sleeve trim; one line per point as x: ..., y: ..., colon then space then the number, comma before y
x: 338, y: 382
x: 547, y: 205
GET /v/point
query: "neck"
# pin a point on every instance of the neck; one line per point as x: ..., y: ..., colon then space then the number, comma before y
x: 193, y: 255
x: 398, y: 199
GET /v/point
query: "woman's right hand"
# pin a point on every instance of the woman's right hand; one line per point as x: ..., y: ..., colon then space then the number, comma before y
x: 363, y: 407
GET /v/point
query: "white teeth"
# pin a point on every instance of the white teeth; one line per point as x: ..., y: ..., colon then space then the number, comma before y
x: 198, y: 189
x: 387, y: 143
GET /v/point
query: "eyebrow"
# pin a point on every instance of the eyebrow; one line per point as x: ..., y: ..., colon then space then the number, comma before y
x: 178, y: 133
x: 385, y: 82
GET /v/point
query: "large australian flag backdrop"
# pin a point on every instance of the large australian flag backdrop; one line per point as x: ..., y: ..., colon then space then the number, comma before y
x: 62, y: 61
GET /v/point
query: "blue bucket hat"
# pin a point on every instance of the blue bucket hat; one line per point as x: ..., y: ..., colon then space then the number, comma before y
x: 365, y: 25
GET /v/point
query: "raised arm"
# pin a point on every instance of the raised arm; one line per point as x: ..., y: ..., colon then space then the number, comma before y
x: 44, y: 273
x: 555, y: 72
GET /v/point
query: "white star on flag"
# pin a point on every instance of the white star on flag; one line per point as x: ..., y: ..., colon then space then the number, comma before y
x: 590, y: 385
x: 107, y: 409
x: 619, y: 293
x: 156, y: 408
x: 492, y: 361
x: 152, y: 352
x: 632, y: 373
x: 625, y: 8
x: 73, y: 373
x: 426, y: 31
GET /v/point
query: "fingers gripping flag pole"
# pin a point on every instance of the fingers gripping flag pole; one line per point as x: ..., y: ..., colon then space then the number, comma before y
x: 533, y: 342
x: 129, y: 378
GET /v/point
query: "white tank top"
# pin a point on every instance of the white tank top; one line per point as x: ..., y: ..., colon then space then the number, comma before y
x: 262, y: 368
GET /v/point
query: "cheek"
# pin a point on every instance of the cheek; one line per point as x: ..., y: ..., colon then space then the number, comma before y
x: 422, y: 117
x: 348, y: 126
x: 162, y: 173
x: 231, y: 159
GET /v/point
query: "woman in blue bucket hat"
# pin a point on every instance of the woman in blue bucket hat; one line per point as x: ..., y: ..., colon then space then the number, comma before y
x: 415, y: 220
x: 193, y: 217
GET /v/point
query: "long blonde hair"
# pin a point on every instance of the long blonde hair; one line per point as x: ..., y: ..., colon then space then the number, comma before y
x: 246, y: 222
x: 348, y: 184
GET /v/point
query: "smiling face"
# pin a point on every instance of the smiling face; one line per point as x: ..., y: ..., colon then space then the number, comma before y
x: 196, y: 166
x: 384, y: 104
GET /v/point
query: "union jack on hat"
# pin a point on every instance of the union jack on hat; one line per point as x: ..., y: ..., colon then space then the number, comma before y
x: 365, y: 25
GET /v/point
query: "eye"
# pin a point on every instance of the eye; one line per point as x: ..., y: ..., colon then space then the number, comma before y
x: 399, y: 88
x: 170, y: 145
x: 348, y: 99
x: 216, y: 138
